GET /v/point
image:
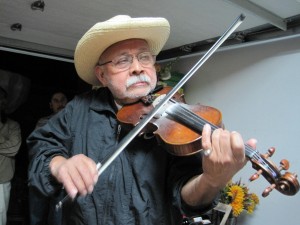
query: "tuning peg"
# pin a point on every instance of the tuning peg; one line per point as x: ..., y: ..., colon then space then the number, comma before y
x: 256, y: 175
x: 284, y: 165
x: 270, y: 152
x: 268, y: 190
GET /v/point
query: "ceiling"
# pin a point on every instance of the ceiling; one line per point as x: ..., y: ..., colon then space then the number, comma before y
x: 55, y: 30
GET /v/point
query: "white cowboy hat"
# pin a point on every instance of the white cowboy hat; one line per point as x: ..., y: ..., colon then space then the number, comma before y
x: 154, y: 30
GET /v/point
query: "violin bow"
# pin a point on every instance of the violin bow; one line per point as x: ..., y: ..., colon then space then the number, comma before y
x: 101, y: 166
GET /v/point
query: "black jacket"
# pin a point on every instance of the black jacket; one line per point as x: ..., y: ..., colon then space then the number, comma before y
x: 141, y: 186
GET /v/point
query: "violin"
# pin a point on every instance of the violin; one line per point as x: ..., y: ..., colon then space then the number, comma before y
x: 178, y: 129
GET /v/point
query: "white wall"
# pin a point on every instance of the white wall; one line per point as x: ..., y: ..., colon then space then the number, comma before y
x: 257, y: 89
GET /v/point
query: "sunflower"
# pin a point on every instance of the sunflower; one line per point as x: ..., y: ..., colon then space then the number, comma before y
x: 252, y: 201
x: 237, y: 195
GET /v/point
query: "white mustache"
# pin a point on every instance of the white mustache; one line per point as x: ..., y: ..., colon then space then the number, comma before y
x: 135, y: 79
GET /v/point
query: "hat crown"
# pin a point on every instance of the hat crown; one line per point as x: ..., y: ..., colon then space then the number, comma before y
x: 119, y: 18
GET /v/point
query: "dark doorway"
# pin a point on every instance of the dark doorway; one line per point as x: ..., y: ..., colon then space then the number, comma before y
x: 46, y: 76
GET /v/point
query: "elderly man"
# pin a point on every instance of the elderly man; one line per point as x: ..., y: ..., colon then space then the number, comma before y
x: 144, y: 184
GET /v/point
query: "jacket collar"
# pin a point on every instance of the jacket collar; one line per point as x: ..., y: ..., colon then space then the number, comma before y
x: 102, y: 100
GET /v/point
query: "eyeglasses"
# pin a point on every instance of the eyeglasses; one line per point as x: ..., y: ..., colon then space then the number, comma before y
x: 123, y: 62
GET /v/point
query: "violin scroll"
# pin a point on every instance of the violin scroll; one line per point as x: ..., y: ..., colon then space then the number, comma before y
x: 286, y: 183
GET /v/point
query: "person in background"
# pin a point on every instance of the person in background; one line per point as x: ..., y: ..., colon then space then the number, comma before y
x: 41, y: 207
x: 144, y: 184
x: 10, y: 142
x: 57, y: 102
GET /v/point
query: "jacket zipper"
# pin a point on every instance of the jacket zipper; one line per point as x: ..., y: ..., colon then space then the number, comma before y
x: 118, y: 132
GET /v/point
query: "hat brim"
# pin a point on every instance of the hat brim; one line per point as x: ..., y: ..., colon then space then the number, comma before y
x: 104, y: 34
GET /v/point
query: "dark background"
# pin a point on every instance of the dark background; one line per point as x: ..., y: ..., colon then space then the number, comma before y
x: 46, y: 76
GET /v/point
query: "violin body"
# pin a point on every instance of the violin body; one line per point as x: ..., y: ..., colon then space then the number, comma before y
x: 175, y: 137
x: 181, y: 140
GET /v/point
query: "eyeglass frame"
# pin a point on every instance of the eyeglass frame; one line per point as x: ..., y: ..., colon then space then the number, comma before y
x: 132, y: 56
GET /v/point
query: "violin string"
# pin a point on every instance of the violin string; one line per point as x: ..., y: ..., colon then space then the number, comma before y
x: 186, y: 114
x: 189, y: 115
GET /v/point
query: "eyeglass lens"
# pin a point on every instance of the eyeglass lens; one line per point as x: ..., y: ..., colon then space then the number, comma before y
x: 125, y: 61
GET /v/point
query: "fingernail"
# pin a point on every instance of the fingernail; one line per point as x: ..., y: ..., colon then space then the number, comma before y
x: 206, y: 125
x: 73, y: 193
x: 95, y: 178
x: 91, y: 188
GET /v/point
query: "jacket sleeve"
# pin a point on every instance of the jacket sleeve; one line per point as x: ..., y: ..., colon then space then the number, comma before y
x: 181, y: 170
x: 44, y: 143
x: 10, y: 139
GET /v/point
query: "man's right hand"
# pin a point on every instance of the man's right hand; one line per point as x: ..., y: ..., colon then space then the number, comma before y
x: 77, y: 174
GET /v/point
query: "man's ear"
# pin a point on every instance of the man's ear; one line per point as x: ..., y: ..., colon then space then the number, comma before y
x: 99, y: 73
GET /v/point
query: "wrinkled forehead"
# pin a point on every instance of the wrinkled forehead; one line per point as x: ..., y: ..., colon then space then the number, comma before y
x: 124, y: 46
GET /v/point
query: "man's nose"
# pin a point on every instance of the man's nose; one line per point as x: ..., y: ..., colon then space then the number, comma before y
x: 136, y: 67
